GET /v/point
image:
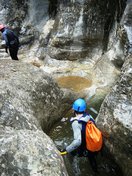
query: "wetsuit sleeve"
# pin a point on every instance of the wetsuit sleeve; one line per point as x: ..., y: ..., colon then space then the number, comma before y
x: 6, y: 39
x: 76, y: 127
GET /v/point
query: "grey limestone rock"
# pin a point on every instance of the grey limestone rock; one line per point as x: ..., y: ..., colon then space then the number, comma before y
x: 28, y: 100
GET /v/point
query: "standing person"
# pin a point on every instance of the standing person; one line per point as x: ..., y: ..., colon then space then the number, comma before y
x: 11, y: 41
x: 78, y: 145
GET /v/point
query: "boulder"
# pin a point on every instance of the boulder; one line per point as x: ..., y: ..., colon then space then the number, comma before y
x: 29, y: 102
x: 28, y: 152
x: 27, y: 91
x: 115, y: 118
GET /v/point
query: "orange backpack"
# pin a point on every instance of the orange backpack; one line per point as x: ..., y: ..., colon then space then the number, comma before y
x: 94, y: 138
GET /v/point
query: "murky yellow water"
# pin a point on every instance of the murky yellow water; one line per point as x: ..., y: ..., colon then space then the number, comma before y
x: 75, y: 83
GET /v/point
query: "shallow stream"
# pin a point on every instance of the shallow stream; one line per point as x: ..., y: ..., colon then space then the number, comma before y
x: 62, y: 135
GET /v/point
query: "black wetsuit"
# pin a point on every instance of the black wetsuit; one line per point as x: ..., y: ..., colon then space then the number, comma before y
x: 12, y: 42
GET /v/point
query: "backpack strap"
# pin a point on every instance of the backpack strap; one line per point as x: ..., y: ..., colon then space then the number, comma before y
x: 83, y: 134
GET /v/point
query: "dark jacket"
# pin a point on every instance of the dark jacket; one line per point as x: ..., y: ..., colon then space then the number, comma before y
x: 10, y: 38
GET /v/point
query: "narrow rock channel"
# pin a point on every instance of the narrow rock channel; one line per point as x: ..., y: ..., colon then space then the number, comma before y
x: 61, y: 134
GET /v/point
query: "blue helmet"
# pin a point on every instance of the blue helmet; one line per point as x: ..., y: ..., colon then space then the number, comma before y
x: 79, y: 105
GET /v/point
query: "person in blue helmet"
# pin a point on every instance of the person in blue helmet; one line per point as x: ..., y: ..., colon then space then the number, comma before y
x: 11, y: 41
x: 77, y: 146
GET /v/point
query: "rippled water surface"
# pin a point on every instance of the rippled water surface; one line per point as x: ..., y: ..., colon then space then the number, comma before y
x: 62, y: 136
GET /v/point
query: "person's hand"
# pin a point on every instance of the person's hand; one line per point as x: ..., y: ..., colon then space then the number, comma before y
x: 63, y: 151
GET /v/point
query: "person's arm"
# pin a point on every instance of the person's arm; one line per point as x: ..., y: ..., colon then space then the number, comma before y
x: 6, y: 39
x: 77, y: 137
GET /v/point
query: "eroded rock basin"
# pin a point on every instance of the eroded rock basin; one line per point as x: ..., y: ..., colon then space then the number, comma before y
x: 75, y: 83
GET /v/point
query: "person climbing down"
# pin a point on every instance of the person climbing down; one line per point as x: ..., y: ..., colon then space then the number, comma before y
x: 11, y: 41
x: 78, y: 146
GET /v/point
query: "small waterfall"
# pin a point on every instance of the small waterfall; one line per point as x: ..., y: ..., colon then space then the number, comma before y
x: 78, y: 31
x: 38, y: 12
x: 128, y: 21
x: 129, y: 33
